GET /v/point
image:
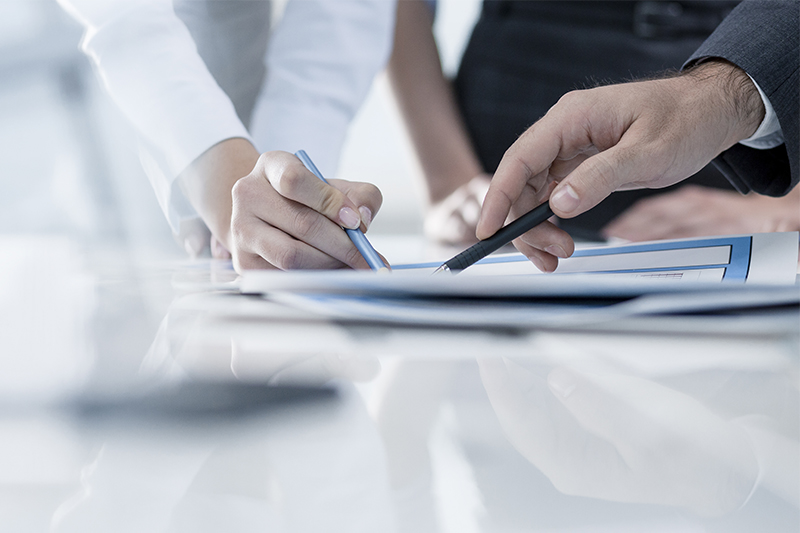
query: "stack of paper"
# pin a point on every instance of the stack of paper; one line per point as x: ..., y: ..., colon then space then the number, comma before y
x: 596, y: 285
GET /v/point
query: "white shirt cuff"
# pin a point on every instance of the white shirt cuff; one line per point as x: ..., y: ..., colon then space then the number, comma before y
x: 769, y: 133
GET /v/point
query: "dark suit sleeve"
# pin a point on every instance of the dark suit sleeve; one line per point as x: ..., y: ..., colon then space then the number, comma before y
x: 761, y: 37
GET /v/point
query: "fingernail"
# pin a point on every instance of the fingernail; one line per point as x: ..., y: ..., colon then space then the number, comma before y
x: 556, y: 250
x: 561, y: 382
x: 349, y: 218
x: 366, y: 215
x: 565, y: 199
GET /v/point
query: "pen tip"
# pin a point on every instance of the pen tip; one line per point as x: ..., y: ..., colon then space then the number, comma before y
x: 443, y: 268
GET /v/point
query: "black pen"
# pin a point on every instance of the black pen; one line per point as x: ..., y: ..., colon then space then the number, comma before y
x: 503, y: 236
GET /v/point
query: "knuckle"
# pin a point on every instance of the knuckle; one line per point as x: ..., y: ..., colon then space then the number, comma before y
x: 265, y: 159
x: 287, y: 258
x: 241, y: 189
x: 289, y: 181
x: 330, y: 201
x: 569, y: 99
x: 307, y: 224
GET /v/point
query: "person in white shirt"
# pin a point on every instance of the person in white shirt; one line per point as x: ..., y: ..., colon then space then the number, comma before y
x: 188, y: 74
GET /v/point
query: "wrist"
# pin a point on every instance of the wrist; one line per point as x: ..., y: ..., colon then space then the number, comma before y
x: 208, y: 182
x: 731, y: 92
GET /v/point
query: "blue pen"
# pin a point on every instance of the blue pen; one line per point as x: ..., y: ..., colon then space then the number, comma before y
x: 356, y: 235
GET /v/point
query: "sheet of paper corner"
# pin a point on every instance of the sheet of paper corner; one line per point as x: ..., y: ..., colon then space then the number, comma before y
x: 772, y: 260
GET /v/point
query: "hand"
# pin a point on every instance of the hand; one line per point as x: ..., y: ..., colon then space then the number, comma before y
x: 453, y: 220
x: 285, y: 217
x: 593, y: 142
x: 622, y: 438
x: 694, y: 211
x: 279, y: 215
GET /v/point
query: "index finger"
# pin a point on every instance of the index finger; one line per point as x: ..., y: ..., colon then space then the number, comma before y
x: 525, y: 161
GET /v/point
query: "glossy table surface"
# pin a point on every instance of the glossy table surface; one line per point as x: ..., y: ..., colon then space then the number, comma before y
x: 147, y: 396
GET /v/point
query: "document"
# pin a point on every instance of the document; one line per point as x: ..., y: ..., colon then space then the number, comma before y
x: 760, y: 258
x: 542, y: 312
x: 598, y: 285
x: 674, y: 266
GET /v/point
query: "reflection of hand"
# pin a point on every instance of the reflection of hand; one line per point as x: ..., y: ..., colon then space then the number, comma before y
x: 256, y: 362
x: 591, y: 143
x: 622, y: 438
x: 453, y: 220
x: 285, y: 217
x: 694, y: 211
x: 305, y: 354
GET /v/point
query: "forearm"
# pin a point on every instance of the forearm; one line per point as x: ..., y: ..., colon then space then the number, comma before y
x: 208, y: 181
x: 427, y: 104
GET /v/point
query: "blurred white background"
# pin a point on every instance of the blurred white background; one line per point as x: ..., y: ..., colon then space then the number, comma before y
x: 69, y: 160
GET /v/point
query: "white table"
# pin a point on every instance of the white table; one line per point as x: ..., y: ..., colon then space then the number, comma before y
x: 134, y: 398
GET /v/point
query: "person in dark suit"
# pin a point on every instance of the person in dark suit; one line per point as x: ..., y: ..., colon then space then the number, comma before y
x: 656, y: 133
x: 521, y: 57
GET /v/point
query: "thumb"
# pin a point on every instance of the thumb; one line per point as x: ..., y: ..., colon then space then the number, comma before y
x: 597, y: 177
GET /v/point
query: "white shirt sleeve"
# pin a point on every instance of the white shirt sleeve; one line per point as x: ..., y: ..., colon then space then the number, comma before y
x: 321, y: 61
x: 769, y: 133
x: 149, y: 64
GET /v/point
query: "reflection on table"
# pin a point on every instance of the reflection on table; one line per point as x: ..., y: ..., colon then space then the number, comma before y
x: 156, y: 399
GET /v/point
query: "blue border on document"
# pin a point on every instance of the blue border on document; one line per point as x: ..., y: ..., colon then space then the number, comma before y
x: 736, y: 269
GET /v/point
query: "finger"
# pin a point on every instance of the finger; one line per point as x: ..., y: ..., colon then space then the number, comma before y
x: 542, y: 260
x: 551, y: 239
x: 525, y: 163
x: 598, y: 176
x: 257, y: 206
x: 279, y: 249
x: 385, y: 261
x: 366, y: 196
x: 561, y: 168
x: 293, y: 181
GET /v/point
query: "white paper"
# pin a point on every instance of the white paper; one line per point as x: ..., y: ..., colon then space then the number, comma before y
x: 713, y: 263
